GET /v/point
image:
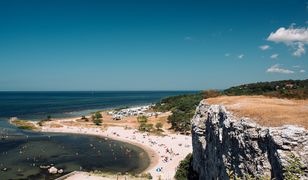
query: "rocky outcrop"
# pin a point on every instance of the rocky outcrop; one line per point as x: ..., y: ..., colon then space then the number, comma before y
x: 225, y: 146
x: 53, y: 170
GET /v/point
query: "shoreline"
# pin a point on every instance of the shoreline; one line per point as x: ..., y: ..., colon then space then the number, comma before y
x: 164, y: 151
x: 150, y: 152
x: 154, y: 146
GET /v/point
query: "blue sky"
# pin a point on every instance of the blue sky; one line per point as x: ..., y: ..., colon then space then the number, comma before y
x: 150, y: 44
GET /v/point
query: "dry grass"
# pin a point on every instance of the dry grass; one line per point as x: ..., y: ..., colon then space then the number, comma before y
x: 132, y: 122
x: 128, y: 122
x: 265, y: 110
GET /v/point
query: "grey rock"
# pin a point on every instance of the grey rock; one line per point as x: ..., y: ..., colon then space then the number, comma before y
x: 53, y: 170
x: 223, y: 143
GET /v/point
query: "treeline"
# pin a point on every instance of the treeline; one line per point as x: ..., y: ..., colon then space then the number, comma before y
x: 183, y: 108
x: 296, y: 89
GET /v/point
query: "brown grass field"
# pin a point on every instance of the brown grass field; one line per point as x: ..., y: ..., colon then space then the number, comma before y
x: 129, y: 122
x: 266, y: 111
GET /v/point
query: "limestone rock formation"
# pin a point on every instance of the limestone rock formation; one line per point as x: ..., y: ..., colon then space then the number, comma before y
x: 225, y: 146
x: 53, y: 170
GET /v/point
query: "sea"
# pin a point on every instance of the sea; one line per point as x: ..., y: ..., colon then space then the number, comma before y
x: 25, y: 154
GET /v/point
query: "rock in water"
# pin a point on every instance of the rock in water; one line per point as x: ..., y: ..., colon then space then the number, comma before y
x: 44, y: 167
x: 53, y: 170
x: 225, y: 145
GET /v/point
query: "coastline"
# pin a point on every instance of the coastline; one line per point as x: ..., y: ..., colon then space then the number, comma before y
x: 132, y: 136
x: 153, y: 157
x: 165, y: 151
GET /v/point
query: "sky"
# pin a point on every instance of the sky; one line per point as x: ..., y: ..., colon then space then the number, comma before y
x: 63, y: 45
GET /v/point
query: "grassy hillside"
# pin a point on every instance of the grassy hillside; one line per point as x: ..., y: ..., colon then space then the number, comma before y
x: 183, y: 106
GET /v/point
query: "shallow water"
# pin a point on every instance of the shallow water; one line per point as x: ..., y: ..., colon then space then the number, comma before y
x: 22, y: 154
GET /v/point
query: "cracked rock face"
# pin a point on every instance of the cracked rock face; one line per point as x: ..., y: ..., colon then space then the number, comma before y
x: 224, y: 144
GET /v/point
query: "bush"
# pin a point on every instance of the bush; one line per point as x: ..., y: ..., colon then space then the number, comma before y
x: 182, y: 108
x: 84, y: 118
x: 158, y: 126
x: 98, y: 115
x: 185, y: 170
x: 294, y: 169
x: 26, y: 127
x: 142, y: 119
x: 97, y: 122
x: 97, y: 118
x: 147, y: 175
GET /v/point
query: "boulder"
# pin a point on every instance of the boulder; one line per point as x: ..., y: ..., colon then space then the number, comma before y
x: 53, y: 170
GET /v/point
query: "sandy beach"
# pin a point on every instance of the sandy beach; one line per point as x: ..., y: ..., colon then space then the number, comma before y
x: 165, y: 152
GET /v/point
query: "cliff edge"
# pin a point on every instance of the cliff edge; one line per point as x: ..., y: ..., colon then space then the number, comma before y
x: 225, y: 147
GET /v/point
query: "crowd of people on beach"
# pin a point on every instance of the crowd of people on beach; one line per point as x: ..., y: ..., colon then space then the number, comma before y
x: 166, y: 152
x: 168, y: 149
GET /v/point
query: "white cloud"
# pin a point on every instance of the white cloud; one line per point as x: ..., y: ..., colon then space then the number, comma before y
x: 302, y: 71
x: 241, y: 56
x: 300, y: 49
x: 264, y: 47
x: 277, y: 69
x: 227, y: 54
x: 274, y: 56
x: 289, y: 35
x: 293, y: 37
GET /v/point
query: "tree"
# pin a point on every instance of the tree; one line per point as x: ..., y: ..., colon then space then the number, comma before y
x: 97, y: 122
x: 84, y: 118
x: 97, y: 118
x: 48, y: 118
x: 158, y: 126
x: 98, y: 115
x: 143, y: 126
x: 142, y: 119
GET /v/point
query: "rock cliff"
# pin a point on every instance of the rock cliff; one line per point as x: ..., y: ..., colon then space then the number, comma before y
x: 226, y: 146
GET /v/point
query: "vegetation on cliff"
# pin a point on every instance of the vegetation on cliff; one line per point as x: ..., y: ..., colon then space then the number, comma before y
x: 182, y: 108
x: 185, y: 170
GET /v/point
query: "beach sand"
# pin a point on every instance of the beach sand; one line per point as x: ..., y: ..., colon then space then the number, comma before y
x: 165, y: 152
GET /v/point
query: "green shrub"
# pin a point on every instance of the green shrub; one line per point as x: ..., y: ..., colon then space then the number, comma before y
x: 26, y: 127
x: 97, y: 122
x: 185, y: 170
x: 158, y: 126
x: 182, y: 108
x: 97, y: 118
x: 294, y: 169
